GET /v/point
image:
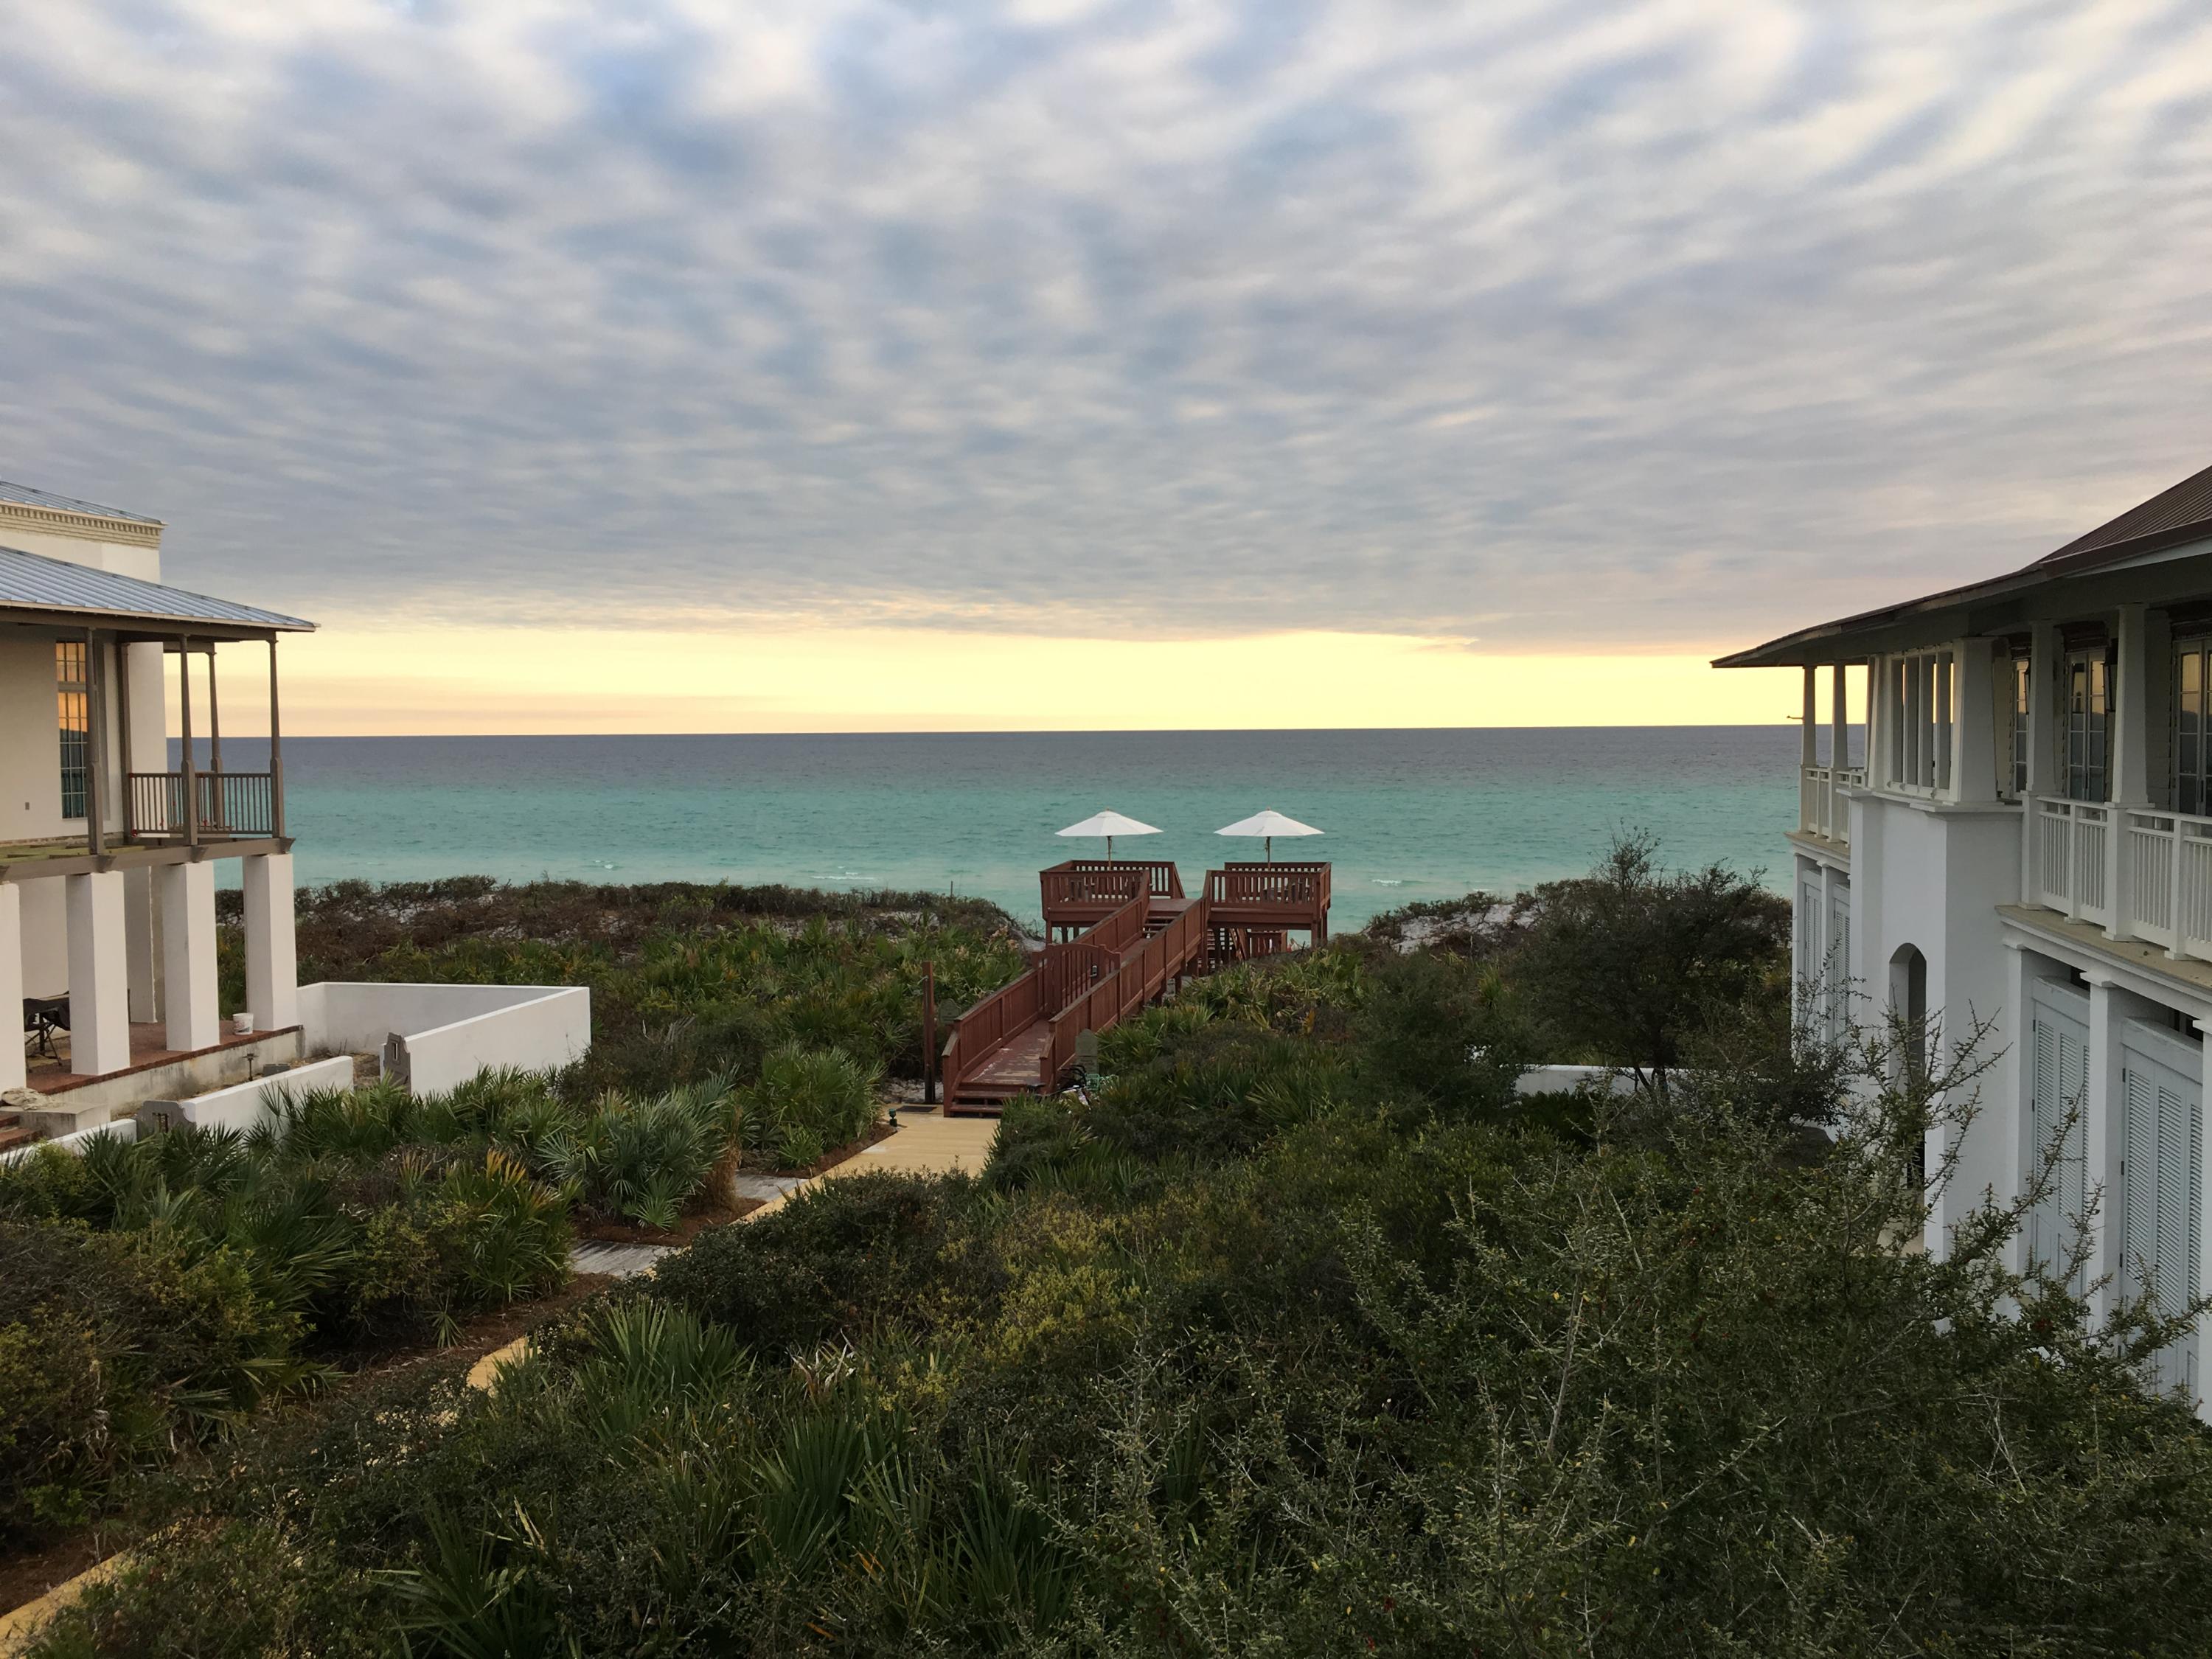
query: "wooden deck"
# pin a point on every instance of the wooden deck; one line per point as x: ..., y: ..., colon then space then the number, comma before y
x: 1120, y: 936
x: 149, y: 1047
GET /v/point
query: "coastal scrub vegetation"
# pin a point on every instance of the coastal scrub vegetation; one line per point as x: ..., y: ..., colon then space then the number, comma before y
x: 1298, y: 1331
x: 688, y: 981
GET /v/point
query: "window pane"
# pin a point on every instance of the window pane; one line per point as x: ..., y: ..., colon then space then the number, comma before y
x: 69, y: 720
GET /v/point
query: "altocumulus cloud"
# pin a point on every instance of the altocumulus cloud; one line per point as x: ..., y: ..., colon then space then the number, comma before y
x: 1565, y: 323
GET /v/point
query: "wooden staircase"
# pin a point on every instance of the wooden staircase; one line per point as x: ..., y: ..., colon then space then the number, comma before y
x: 1022, y: 1038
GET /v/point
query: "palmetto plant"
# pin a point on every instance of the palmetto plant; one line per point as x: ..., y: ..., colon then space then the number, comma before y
x: 806, y: 1101
x: 642, y: 1160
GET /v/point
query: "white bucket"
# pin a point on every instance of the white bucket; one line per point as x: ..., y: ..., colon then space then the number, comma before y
x: 242, y: 1023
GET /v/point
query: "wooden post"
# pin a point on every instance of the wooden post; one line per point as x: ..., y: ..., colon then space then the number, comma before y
x: 190, y: 777
x: 929, y: 1034
x: 276, y: 752
x: 221, y: 814
x: 95, y: 748
x: 123, y: 736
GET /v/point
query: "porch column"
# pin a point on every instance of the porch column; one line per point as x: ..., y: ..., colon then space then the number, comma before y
x: 2042, y: 713
x: 272, y: 967
x: 1973, y: 723
x: 1808, y: 749
x: 99, y: 992
x: 2132, y: 713
x: 2129, y: 763
x: 188, y: 947
x: 145, y: 750
x: 141, y: 936
x: 11, y: 978
x: 1840, y: 750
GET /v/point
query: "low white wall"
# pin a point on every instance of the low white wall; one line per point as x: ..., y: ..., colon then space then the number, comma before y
x: 122, y: 1129
x: 245, y: 1106
x: 1547, y: 1079
x: 449, y: 1033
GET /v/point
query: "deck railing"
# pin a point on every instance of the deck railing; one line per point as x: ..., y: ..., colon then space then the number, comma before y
x: 1822, y: 808
x: 2070, y: 850
x: 231, y: 805
x: 1142, y: 974
x: 1290, y: 895
x: 985, y: 1027
x: 1094, y: 881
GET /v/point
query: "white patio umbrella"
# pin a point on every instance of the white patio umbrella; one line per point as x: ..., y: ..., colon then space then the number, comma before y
x: 1268, y: 825
x: 1109, y: 825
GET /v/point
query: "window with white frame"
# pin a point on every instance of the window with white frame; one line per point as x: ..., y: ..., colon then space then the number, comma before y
x: 2088, y: 718
x: 2192, y: 740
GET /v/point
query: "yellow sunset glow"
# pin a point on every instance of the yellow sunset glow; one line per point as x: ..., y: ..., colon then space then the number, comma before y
x: 359, y: 679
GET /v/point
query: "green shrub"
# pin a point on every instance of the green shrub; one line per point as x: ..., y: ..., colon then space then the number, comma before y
x: 643, y: 1160
x: 837, y: 1259
x: 113, y: 1347
x: 805, y: 1102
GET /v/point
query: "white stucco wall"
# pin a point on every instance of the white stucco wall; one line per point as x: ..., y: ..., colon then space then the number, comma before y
x: 246, y: 1104
x: 46, y: 939
x: 125, y: 558
x: 1932, y: 877
x: 451, y: 1032
x: 30, y: 744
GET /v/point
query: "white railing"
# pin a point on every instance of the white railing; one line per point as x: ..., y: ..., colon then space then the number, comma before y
x: 2135, y: 872
x: 1822, y: 807
x: 2069, y: 852
x: 2166, y: 881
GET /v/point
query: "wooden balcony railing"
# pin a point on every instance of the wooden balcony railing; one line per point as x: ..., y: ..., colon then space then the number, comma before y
x: 232, y: 806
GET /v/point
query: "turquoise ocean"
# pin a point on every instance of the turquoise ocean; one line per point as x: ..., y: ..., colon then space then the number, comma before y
x: 1421, y: 814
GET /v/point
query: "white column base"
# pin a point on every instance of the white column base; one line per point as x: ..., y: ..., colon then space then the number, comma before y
x: 272, y: 960
x: 98, y: 988
x: 11, y: 978
x: 188, y: 951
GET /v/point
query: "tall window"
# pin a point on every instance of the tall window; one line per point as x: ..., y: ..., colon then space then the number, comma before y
x: 2088, y: 722
x: 75, y: 726
x: 2192, y: 755
x: 2023, y: 687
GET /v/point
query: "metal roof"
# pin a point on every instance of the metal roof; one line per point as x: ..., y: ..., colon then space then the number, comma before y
x: 2172, y: 518
x: 31, y: 582
x: 2181, y: 513
x: 23, y: 495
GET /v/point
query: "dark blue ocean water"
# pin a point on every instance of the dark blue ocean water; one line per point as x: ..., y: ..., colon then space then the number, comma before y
x: 1408, y: 814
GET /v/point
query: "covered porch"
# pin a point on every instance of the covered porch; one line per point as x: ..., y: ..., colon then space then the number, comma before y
x: 107, y: 846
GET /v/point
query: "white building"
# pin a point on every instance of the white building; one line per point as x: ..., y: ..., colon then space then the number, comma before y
x: 109, y: 844
x: 109, y: 839
x: 2025, y: 837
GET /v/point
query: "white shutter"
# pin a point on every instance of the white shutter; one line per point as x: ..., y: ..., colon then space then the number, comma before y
x: 2161, y: 1186
x: 1839, y: 966
x: 2058, y: 1087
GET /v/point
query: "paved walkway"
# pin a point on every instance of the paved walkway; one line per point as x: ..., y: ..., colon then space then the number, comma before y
x: 618, y: 1261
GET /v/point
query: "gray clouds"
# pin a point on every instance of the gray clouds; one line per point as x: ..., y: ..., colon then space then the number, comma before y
x: 1661, y: 325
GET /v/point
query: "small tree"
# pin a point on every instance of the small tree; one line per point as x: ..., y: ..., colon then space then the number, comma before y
x: 1626, y: 965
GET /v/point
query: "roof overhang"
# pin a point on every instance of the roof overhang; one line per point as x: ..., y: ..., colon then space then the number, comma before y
x: 40, y: 593
x: 2169, y: 564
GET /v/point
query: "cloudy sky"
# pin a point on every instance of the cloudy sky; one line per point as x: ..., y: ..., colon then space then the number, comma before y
x: 1411, y: 341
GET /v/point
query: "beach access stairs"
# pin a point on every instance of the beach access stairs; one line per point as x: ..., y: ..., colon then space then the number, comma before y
x: 1119, y: 937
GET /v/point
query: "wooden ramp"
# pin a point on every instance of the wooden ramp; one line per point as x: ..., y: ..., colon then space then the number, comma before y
x: 1121, y: 936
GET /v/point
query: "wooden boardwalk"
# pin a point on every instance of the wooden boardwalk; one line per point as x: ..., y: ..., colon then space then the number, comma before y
x: 1119, y: 937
